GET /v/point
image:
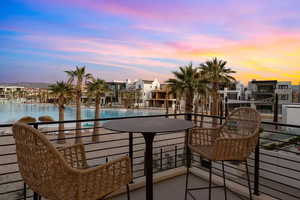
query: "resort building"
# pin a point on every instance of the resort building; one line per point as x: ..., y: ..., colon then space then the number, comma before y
x: 143, y: 89
x: 234, y: 91
x: 296, y: 93
x: 9, y: 92
x: 284, y: 91
x: 114, y: 96
x: 234, y: 95
x: 160, y: 97
x: 262, y: 93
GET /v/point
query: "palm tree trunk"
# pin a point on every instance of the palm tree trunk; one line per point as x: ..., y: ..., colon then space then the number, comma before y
x: 78, y: 117
x: 202, y: 110
x: 189, y: 102
x: 61, y: 126
x: 96, y: 131
x: 179, y: 105
x: 167, y: 103
x: 176, y: 108
x: 214, y: 110
x: 196, y: 111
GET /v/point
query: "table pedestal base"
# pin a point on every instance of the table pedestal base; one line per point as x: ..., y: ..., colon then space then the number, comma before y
x: 148, y: 164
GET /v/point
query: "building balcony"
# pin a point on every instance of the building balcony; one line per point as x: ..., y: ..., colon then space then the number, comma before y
x: 274, y: 167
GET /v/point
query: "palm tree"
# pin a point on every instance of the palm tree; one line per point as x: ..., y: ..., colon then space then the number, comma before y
x: 137, y: 97
x: 216, y: 72
x: 201, y: 91
x: 81, y: 77
x: 186, y: 79
x: 62, y: 91
x: 96, y: 89
x: 128, y: 97
x: 176, y: 91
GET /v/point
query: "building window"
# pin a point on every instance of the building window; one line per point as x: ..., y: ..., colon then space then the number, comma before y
x: 283, y: 86
x: 284, y: 97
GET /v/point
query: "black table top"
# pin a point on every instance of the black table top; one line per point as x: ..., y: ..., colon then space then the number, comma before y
x: 148, y: 125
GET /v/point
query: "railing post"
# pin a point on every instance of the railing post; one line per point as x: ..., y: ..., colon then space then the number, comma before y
x: 275, y: 115
x: 145, y: 166
x: 35, y: 195
x: 221, y: 112
x: 226, y: 106
x: 175, y: 156
x: 131, y: 151
x: 25, y: 191
x: 188, y: 116
x: 161, y: 159
x: 256, y: 169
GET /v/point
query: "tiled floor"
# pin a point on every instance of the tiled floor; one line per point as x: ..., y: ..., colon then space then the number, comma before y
x: 173, y: 189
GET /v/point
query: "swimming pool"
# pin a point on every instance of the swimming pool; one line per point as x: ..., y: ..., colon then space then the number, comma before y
x: 10, y: 112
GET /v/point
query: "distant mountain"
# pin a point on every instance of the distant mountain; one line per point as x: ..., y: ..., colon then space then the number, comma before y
x: 28, y: 84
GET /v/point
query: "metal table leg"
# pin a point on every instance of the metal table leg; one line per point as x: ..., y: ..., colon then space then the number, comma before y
x: 148, y: 163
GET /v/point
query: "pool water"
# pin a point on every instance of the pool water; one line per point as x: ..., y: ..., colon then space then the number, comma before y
x: 11, y: 112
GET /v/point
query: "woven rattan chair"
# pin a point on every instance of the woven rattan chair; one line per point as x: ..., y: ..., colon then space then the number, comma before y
x: 64, y: 174
x: 233, y: 141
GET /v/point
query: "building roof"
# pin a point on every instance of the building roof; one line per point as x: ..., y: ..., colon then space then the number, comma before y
x: 264, y: 81
x: 116, y: 83
x: 147, y: 81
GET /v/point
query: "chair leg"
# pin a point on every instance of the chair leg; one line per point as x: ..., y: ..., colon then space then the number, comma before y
x: 209, y: 188
x: 224, y: 180
x: 25, y: 191
x: 248, y: 177
x: 186, y: 182
x: 128, y: 192
x: 35, y: 196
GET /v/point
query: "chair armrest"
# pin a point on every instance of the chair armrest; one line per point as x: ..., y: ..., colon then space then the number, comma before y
x: 203, y: 136
x: 74, y: 156
x: 98, y: 182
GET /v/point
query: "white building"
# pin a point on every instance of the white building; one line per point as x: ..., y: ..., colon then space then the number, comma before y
x: 234, y: 91
x: 285, y: 92
x: 146, y: 86
x: 7, y: 92
x: 262, y: 93
x: 290, y: 115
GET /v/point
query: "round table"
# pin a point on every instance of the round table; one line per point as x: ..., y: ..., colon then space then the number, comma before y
x: 148, y: 127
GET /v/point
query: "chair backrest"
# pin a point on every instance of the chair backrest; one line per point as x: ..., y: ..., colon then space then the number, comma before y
x: 41, y: 165
x: 241, y: 122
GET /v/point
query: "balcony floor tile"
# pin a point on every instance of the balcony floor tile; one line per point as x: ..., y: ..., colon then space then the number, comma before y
x: 173, y: 189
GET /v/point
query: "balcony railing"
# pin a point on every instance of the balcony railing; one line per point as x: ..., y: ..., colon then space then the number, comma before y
x: 274, y: 166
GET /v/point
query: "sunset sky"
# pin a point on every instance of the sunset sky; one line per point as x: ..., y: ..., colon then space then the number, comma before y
x: 119, y: 39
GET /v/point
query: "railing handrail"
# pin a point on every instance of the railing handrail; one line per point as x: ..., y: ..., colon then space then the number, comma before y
x: 145, y: 116
x: 93, y: 119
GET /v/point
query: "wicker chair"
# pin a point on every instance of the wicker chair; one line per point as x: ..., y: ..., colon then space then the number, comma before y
x: 64, y: 174
x: 233, y: 141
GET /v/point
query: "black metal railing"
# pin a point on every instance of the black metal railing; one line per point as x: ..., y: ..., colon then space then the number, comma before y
x: 274, y: 167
